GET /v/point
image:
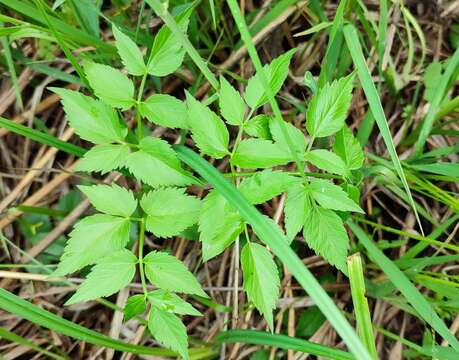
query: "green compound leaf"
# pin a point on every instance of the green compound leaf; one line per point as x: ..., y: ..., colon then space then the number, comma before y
x: 129, y: 52
x: 259, y: 127
x: 296, y: 137
x: 331, y: 196
x: 92, y: 119
x: 328, y: 161
x: 103, y: 158
x: 168, y: 273
x: 111, y: 199
x: 165, y: 110
x: 328, y: 108
x: 276, y: 73
x: 108, y: 276
x: 297, y: 205
x: 167, y: 53
x: 135, y: 305
x: 347, y: 147
x: 258, y: 153
x: 324, y: 233
x: 167, y: 301
x: 170, y: 211
x: 232, y: 105
x: 219, y: 225
x: 110, y: 85
x: 156, y: 164
x: 265, y: 185
x: 208, y: 130
x: 169, y: 331
x: 261, y: 279
x: 92, y: 238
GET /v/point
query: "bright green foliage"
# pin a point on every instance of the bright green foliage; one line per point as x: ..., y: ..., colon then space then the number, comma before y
x: 111, y: 199
x: 258, y: 127
x: 347, y: 147
x: 219, y: 225
x: 328, y: 108
x: 167, y: 301
x: 169, y: 211
x: 169, y: 331
x: 93, y: 120
x: 91, y: 239
x: 208, y: 130
x: 328, y: 161
x: 167, y: 52
x: 232, y: 106
x: 324, y: 233
x: 110, y: 85
x: 168, y: 273
x: 261, y: 279
x: 296, y: 136
x: 297, y: 204
x: 104, y: 158
x: 258, y: 153
x: 135, y: 305
x: 331, y: 196
x: 264, y: 185
x: 276, y: 73
x: 156, y: 164
x: 109, y: 275
x: 130, y: 54
x: 165, y: 110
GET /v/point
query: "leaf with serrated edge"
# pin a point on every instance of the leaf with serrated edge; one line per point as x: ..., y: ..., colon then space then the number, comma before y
x: 169, y: 273
x: 92, y: 238
x: 348, y: 148
x: 261, y: 279
x: 170, y: 211
x: 324, y: 233
x: 103, y: 158
x: 328, y: 108
x: 135, y: 305
x: 296, y: 136
x: 219, y: 225
x: 165, y: 110
x: 265, y: 185
x: 258, y: 127
x: 156, y: 164
x: 109, y: 275
x: 276, y: 73
x: 328, y: 161
x: 110, y: 85
x: 129, y: 52
x: 258, y: 153
x: 92, y: 119
x: 297, y: 204
x: 167, y: 301
x: 207, y: 129
x: 331, y: 196
x: 111, y: 199
x: 169, y: 331
x: 232, y: 106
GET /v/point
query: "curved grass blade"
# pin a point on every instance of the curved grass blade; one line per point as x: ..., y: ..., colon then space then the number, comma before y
x: 272, y: 236
x: 405, y: 286
x: 26, y: 310
x: 15, y: 338
x: 353, y: 43
x: 283, y: 342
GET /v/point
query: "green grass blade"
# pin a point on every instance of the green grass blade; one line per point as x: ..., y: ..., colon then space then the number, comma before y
x: 405, y: 286
x: 282, y: 342
x: 362, y: 312
x: 12, y: 70
x: 353, y: 43
x: 272, y: 236
x: 41, y: 137
x: 16, y: 339
x: 442, y: 87
x: 161, y: 10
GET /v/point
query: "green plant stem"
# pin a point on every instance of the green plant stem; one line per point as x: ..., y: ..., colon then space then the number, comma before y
x: 139, y: 99
x: 140, y: 256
